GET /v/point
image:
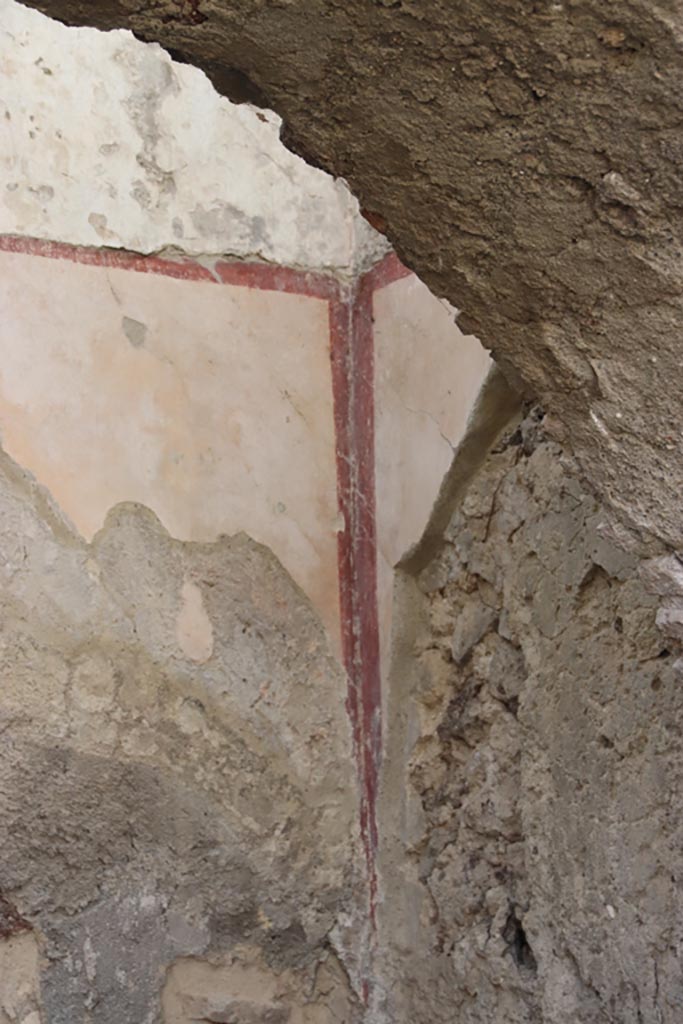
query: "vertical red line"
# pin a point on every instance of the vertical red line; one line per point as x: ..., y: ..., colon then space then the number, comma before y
x: 364, y: 546
x: 353, y: 371
x: 353, y: 384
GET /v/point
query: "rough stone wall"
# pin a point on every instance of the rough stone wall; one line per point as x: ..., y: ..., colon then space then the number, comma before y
x: 172, y: 734
x: 539, y: 729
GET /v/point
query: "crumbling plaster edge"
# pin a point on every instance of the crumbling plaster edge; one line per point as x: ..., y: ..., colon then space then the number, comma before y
x: 206, y: 265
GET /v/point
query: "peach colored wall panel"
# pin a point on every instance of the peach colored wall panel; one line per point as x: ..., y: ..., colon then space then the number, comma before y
x: 210, y: 404
x: 427, y: 376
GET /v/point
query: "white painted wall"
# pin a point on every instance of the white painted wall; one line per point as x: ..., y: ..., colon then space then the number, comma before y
x: 105, y: 140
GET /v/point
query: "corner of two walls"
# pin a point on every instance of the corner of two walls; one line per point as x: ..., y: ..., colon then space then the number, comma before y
x: 217, y: 447
x: 199, y: 535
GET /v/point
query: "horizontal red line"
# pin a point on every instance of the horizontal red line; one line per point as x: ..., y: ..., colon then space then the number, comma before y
x: 352, y: 354
x: 247, y: 275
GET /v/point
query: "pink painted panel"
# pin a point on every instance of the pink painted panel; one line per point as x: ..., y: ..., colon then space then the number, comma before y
x: 427, y: 376
x: 210, y: 405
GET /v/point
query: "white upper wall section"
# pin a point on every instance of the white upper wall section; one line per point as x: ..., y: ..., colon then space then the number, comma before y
x: 105, y: 140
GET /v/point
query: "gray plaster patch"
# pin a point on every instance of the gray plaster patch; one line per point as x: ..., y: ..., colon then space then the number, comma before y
x: 134, y: 330
x: 141, y: 194
x: 44, y: 193
x: 98, y: 223
x: 223, y: 218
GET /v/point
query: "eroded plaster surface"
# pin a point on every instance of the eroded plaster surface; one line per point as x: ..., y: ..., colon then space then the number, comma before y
x: 156, y: 805
x: 107, y: 142
x: 532, y: 772
x: 20, y: 979
x: 526, y: 162
x: 242, y: 988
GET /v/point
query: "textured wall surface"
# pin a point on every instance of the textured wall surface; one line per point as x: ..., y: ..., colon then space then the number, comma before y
x: 106, y: 141
x: 526, y: 160
x: 536, y: 754
x: 172, y: 733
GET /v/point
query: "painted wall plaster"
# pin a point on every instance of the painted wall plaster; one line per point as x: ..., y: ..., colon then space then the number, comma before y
x: 202, y: 435
x: 217, y: 414
x: 210, y: 399
x: 105, y: 140
x: 212, y: 404
x: 421, y: 415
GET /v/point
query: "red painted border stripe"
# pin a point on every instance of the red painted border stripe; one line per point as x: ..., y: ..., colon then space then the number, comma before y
x: 385, y: 272
x: 353, y: 390
x: 366, y: 624
x: 353, y: 381
x: 353, y: 386
x: 264, y: 276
